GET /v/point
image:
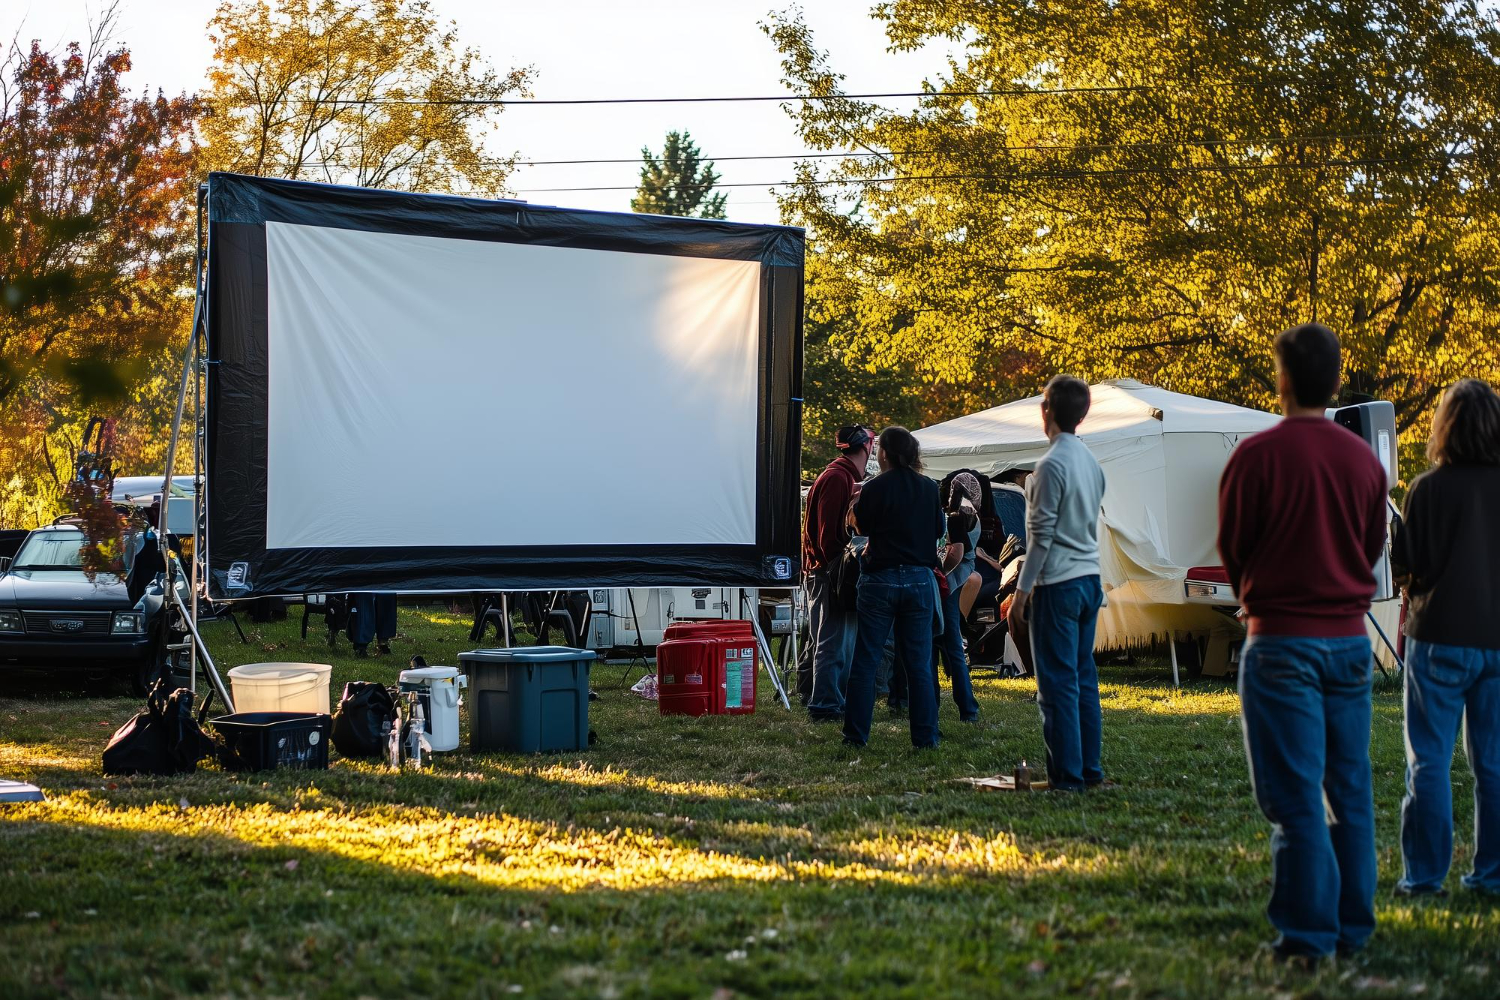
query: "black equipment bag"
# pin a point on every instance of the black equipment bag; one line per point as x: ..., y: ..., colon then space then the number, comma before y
x: 164, y: 739
x: 846, y: 574
x: 361, y: 715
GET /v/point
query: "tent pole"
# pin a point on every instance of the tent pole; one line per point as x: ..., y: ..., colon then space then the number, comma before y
x: 1172, y: 651
x: 1400, y: 666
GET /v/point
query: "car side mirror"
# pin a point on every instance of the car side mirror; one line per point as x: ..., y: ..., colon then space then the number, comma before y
x: 4, y: 565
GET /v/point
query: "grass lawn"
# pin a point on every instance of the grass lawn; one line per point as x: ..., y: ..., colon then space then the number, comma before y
x: 716, y: 857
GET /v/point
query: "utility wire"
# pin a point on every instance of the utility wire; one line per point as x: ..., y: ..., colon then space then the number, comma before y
x: 1292, y: 140
x: 966, y: 94
x: 1025, y: 176
x: 1289, y: 140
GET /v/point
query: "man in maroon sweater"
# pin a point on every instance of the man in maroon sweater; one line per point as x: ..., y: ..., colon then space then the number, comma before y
x: 1301, y: 524
x: 824, y: 535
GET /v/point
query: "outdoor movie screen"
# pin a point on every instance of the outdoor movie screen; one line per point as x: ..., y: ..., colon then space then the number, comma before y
x: 429, y: 393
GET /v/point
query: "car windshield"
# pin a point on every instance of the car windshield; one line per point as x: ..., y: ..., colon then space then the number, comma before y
x: 61, y: 550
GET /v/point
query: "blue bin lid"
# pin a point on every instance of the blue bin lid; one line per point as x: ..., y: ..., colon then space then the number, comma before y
x: 528, y: 654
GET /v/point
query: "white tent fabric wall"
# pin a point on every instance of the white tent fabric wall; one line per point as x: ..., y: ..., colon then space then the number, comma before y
x: 1162, y: 453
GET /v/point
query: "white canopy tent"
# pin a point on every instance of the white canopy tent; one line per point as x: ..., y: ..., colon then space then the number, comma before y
x: 1162, y: 453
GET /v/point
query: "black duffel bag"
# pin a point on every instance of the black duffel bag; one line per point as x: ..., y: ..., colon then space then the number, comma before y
x: 359, y: 722
x: 164, y: 739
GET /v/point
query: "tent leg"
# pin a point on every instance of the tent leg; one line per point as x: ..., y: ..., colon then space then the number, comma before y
x: 1172, y: 651
x: 1400, y: 666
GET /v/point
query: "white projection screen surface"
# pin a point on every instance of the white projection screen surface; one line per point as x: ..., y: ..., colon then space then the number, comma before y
x: 401, y: 359
x: 418, y: 393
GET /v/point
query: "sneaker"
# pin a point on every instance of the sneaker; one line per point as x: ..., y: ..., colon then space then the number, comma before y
x: 361, y: 652
x: 1411, y: 892
x: 856, y: 744
x: 1106, y: 783
x: 384, y: 649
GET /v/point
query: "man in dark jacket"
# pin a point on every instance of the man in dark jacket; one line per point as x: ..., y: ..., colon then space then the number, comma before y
x: 824, y: 536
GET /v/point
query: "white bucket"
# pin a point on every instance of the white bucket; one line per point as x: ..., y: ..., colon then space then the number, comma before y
x: 281, y: 687
x: 440, y: 685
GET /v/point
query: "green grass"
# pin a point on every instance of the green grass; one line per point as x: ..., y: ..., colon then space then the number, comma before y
x: 733, y: 856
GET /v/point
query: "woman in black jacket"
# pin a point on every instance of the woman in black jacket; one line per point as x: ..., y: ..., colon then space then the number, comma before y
x: 898, y: 511
x: 1446, y: 554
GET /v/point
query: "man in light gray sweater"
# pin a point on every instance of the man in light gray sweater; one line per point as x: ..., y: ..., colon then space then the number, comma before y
x: 1059, y: 582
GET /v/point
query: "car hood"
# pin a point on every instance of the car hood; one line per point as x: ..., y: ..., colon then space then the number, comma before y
x: 52, y: 590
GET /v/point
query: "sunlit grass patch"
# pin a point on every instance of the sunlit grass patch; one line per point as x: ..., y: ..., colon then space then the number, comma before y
x: 503, y: 850
x: 728, y: 856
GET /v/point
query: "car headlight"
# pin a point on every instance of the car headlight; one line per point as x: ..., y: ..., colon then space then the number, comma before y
x: 130, y: 622
x: 10, y: 621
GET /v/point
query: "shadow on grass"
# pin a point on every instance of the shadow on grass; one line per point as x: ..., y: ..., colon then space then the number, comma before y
x: 188, y: 904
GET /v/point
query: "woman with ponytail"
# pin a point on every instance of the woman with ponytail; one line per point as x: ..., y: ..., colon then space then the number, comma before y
x: 899, y: 512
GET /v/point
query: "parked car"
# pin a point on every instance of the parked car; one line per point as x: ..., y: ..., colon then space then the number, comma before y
x: 52, y: 616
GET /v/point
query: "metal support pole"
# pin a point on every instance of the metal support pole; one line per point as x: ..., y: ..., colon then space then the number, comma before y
x: 505, y: 618
x: 188, y: 370
x: 1172, y: 651
x: 765, y: 650
x: 209, y: 670
x: 197, y: 501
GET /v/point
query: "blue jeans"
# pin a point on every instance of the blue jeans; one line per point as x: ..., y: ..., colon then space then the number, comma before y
x: 1305, y: 706
x: 952, y: 648
x: 898, y: 599
x: 374, y: 616
x: 1446, y: 684
x: 1063, y: 618
x: 832, y: 633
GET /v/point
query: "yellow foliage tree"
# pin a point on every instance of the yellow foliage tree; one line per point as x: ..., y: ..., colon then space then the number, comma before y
x: 375, y: 94
x: 1155, y: 189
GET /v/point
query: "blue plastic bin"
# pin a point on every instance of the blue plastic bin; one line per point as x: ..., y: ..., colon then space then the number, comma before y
x: 529, y: 699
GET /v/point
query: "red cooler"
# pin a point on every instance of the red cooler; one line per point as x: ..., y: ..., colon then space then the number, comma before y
x: 707, y: 668
x: 686, y: 676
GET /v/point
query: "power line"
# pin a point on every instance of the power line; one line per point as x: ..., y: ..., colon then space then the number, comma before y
x: 1291, y: 140
x: 1038, y: 175
x: 881, y: 95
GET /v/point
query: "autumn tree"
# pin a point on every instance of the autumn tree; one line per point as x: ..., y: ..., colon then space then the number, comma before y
x: 376, y: 94
x: 1155, y: 189
x: 96, y: 203
x: 678, y: 182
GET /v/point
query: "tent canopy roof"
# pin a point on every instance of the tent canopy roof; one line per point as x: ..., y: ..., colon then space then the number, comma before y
x: 1121, y: 409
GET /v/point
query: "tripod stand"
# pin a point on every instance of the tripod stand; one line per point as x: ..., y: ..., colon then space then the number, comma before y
x: 639, y: 655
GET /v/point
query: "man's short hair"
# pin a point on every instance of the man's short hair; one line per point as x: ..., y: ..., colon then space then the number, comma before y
x: 1067, y: 400
x: 1309, y: 354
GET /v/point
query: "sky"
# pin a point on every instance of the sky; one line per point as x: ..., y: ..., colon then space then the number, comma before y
x: 579, y: 49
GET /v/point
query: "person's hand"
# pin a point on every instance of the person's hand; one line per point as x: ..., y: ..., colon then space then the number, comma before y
x: 1017, y: 617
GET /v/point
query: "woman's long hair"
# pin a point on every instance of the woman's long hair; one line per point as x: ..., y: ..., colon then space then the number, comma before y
x: 1466, y: 426
x: 901, y: 449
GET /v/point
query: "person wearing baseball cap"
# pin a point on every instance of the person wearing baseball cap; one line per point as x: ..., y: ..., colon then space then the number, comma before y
x: 824, y: 535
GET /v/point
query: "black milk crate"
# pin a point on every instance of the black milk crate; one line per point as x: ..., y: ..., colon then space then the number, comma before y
x: 260, y: 741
